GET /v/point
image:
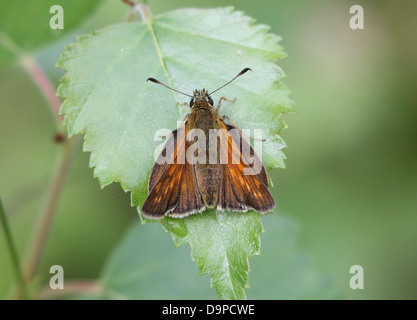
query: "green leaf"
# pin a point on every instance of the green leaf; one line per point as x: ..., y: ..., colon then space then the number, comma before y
x: 24, y: 24
x: 221, y: 243
x: 144, y: 266
x: 108, y: 100
x: 283, y: 271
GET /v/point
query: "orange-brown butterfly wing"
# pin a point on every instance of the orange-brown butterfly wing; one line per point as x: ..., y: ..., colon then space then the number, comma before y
x: 240, y: 191
x: 160, y: 165
x: 172, y: 186
x: 245, y: 145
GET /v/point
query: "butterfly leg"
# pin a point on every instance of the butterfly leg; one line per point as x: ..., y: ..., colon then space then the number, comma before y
x: 220, y: 102
x: 237, y: 127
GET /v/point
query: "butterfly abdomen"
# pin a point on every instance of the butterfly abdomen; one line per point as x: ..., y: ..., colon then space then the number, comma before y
x: 204, y: 117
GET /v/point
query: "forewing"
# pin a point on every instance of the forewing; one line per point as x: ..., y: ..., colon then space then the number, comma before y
x: 172, y: 185
x: 242, y: 188
x: 252, y: 156
x: 161, y: 165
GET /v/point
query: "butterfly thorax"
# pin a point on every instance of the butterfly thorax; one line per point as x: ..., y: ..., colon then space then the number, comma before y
x: 204, y: 117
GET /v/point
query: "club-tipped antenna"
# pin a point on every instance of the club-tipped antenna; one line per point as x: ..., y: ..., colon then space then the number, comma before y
x: 159, y: 82
x: 238, y: 75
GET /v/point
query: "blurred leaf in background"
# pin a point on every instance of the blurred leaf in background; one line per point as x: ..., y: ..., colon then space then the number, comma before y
x: 28, y: 129
x: 170, y: 274
x: 24, y: 25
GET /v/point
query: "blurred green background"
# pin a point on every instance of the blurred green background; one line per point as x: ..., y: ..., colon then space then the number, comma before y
x: 351, y: 178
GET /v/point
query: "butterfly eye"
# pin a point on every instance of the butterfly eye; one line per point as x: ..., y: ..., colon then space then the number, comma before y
x: 191, y: 102
x: 210, y: 100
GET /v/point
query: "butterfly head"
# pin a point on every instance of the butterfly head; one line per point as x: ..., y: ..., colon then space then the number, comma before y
x: 201, y: 96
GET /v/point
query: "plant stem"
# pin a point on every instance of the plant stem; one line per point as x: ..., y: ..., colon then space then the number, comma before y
x: 60, y: 174
x: 10, y: 45
x: 13, y: 253
x: 129, y: 2
x: 132, y: 3
x: 52, y: 199
x: 45, y: 86
x: 141, y: 8
x: 145, y: 13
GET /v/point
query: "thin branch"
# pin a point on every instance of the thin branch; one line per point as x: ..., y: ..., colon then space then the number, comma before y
x: 133, y: 3
x: 10, y: 45
x: 139, y: 8
x: 45, y: 86
x: 145, y: 13
x: 52, y: 199
x: 13, y: 253
x: 60, y: 174
x: 129, y: 2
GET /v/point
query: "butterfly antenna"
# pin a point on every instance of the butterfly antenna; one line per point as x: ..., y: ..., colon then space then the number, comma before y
x: 238, y: 75
x: 159, y: 82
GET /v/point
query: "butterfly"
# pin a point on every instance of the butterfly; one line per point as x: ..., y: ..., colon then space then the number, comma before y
x: 180, y: 185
